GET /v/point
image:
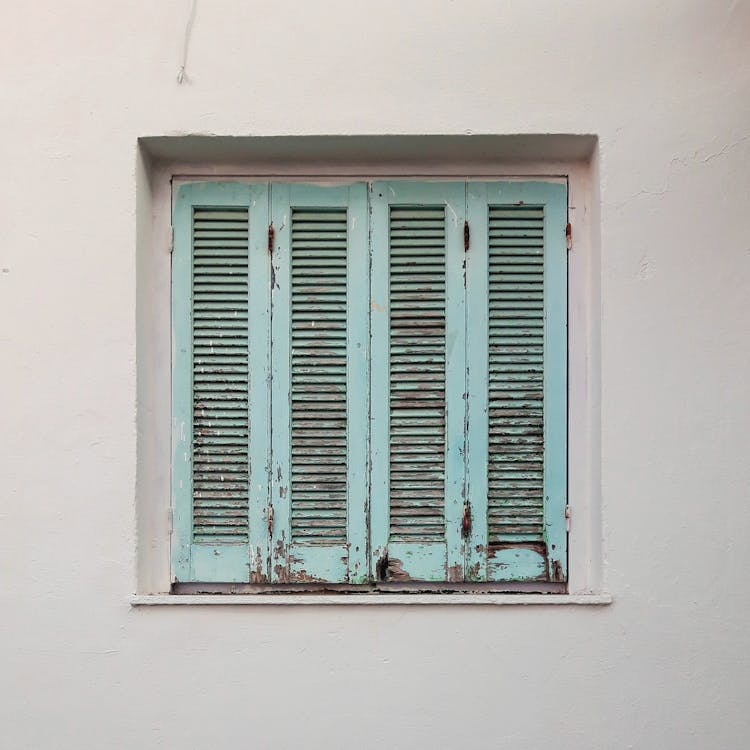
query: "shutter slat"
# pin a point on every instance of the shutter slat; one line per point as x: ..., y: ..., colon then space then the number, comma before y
x: 417, y: 374
x: 220, y: 403
x: 515, y: 477
x: 318, y: 375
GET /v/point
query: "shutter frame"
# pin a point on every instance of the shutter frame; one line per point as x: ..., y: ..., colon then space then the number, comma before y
x: 194, y: 561
x: 519, y: 562
x: 293, y: 560
x: 401, y: 561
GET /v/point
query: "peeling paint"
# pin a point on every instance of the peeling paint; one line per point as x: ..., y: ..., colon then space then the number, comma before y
x: 395, y: 570
x: 455, y: 574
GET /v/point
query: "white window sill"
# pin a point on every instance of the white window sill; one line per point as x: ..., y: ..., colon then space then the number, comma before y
x: 368, y: 599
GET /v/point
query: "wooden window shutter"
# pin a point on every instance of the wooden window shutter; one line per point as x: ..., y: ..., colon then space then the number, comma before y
x: 418, y: 381
x: 517, y: 381
x: 219, y: 383
x: 313, y: 406
x: 319, y: 373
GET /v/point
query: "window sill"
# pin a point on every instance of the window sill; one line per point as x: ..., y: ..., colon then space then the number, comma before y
x: 147, y: 600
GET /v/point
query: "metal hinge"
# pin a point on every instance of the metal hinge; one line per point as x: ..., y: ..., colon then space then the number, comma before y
x: 170, y: 520
x: 467, y: 236
x: 270, y: 521
x: 171, y: 240
x: 271, y: 233
x: 567, y: 518
x: 569, y: 236
x: 466, y: 521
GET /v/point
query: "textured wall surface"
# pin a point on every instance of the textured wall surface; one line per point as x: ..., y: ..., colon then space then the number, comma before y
x: 666, y: 87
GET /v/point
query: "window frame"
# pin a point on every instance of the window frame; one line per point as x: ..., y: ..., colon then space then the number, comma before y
x: 583, y: 344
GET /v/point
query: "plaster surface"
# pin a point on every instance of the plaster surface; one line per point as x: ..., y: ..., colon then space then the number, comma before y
x: 665, y: 85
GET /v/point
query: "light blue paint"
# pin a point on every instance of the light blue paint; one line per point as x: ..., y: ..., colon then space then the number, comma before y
x: 194, y: 561
x: 428, y: 560
x: 368, y: 401
x: 477, y: 333
x: 293, y: 559
x: 516, y: 564
x: 519, y: 562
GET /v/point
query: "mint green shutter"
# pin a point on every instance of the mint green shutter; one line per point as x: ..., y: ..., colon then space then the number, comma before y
x: 320, y: 365
x: 418, y: 381
x: 219, y: 379
x: 517, y: 381
x: 466, y: 379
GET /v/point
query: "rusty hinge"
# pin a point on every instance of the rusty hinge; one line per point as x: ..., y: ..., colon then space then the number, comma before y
x: 567, y: 518
x: 466, y: 521
x: 271, y: 233
x: 467, y: 236
x: 569, y: 236
x: 381, y: 567
x: 270, y: 521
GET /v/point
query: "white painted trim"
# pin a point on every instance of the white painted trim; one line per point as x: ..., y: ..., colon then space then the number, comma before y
x: 368, y: 599
x: 586, y: 566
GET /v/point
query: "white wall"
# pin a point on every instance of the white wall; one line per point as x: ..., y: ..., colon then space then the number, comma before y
x: 666, y: 87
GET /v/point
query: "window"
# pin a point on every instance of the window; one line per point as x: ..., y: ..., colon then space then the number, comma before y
x: 369, y: 383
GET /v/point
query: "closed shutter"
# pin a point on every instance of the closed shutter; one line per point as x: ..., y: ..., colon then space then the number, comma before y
x: 217, y: 301
x: 516, y: 287
x: 320, y: 345
x: 314, y: 405
x: 418, y: 329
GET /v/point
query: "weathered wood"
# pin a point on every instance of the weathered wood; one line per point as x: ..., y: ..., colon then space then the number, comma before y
x: 418, y: 324
x: 517, y: 386
x: 468, y: 431
x: 213, y: 299
x: 320, y: 338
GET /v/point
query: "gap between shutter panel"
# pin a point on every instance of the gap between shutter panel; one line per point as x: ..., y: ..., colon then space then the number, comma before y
x: 220, y: 375
x: 516, y: 372
x: 319, y: 372
x: 417, y: 374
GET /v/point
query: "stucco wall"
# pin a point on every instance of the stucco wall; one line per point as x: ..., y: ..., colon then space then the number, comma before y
x: 665, y: 86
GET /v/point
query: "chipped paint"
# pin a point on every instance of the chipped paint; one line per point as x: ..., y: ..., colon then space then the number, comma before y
x: 395, y: 571
x: 455, y: 573
x: 257, y: 571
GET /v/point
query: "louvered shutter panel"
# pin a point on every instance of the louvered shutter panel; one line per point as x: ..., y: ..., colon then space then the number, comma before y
x: 417, y: 374
x: 517, y: 292
x: 418, y: 408
x: 220, y: 330
x: 320, y: 344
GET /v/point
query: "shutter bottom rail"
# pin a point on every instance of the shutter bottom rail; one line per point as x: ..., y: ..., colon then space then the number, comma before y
x: 405, y: 589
